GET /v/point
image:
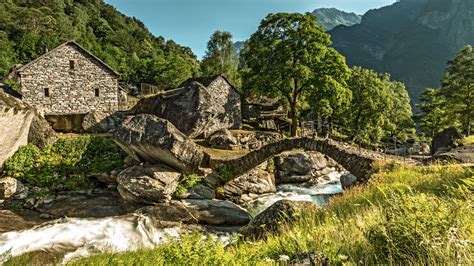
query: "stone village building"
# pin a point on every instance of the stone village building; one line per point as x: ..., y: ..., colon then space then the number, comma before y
x: 68, y: 82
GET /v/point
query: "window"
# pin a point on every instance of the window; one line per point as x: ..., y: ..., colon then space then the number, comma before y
x: 72, y: 64
x: 46, y: 92
x: 96, y: 91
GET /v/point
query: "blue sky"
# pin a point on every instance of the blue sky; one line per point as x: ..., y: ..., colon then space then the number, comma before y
x: 191, y: 22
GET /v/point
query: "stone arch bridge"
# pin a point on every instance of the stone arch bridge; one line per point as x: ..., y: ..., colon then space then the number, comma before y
x: 360, y: 162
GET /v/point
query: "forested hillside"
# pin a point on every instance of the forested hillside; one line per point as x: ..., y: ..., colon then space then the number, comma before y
x: 411, y: 39
x: 29, y: 27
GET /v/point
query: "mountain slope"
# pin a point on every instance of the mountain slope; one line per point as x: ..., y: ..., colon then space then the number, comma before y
x: 411, y: 39
x: 330, y: 18
x: 28, y: 28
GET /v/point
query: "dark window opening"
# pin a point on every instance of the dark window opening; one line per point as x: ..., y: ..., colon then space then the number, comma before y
x: 46, y: 92
x: 71, y: 64
x: 96, y: 92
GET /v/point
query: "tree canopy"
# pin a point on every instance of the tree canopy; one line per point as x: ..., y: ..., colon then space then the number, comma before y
x: 220, y: 58
x: 458, y: 88
x: 28, y: 27
x: 379, y: 107
x: 289, y: 57
x: 453, y: 103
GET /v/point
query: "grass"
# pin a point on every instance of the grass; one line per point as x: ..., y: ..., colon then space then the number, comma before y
x: 469, y: 140
x: 419, y: 215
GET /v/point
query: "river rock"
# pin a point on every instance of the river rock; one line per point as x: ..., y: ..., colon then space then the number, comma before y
x: 11, y: 187
x: 275, y: 217
x: 10, y: 221
x: 200, y: 191
x: 198, y: 107
x: 217, y: 212
x: 147, y: 184
x: 169, y: 212
x: 299, y: 167
x: 445, y: 140
x: 253, y: 183
x: 222, y: 139
x: 348, y: 181
x: 153, y: 139
x: 91, y: 204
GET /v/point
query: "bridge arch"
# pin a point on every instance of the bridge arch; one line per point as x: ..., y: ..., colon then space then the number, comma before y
x: 359, y: 162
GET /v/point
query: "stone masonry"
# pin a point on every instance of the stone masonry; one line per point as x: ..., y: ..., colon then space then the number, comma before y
x: 69, y: 80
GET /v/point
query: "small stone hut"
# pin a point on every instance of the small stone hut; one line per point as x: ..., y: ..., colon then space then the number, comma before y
x: 68, y: 82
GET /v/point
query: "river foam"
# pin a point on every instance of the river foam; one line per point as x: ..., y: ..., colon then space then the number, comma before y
x: 84, y: 237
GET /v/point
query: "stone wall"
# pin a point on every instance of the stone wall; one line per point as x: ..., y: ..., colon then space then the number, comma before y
x: 71, y: 91
x: 226, y: 96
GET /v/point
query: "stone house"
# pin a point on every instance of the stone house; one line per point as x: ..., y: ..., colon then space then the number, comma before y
x: 68, y: 82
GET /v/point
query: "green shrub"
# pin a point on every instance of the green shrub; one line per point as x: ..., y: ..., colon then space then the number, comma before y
x: 188, y: 182
x: 65, y: 164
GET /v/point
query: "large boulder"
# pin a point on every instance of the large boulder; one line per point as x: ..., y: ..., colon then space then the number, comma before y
x: 445, y: 140
x: 102, y: 122
x: 198, y: 107
x: 274, y: 218
x: 97, y: 203
x: 299, y: 167
x: 147, y: 184
x: 250, y: 185
x: 20, y: 124
x: 191, y: 211
x: 217, y: 212
x: 153, y: 139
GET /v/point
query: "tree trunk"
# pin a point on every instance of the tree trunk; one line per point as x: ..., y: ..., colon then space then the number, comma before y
x: 294, y: 119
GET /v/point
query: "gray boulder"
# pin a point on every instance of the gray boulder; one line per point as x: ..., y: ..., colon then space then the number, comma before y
x: 445, y: 140
x: 102, y: 122
x: 255, y: 182
x: 222, y: 139
x: 199, y: 107
x: 348, y: 181
x: 275, y: 217
x: 20, y: 124
x: 200, y: 191
x: 147, y: 184
x: 217, y: 212
x: 192, y: 211
x: 11, y: 187
x: 299, y: 167
x: 150, y: 138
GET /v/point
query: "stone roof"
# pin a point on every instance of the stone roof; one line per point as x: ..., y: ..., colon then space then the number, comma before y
x: 77, y: 46
x: 205, y: 81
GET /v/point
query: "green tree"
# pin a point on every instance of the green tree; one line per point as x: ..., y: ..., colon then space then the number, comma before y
x: 372, y: 102
x: 219, y: 57
x: 289, y: 57
x: 400, y: 117
x: 433, y: 118
x: 458, y: 88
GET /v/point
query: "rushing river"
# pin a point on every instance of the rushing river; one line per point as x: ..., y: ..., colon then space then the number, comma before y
x: 84, y: 237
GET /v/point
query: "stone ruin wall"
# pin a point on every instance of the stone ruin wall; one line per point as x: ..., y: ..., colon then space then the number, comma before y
x: 226, y: 96
x: 71, y: 91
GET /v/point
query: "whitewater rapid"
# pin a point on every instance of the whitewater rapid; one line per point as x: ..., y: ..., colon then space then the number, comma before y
x: 84, y: 237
